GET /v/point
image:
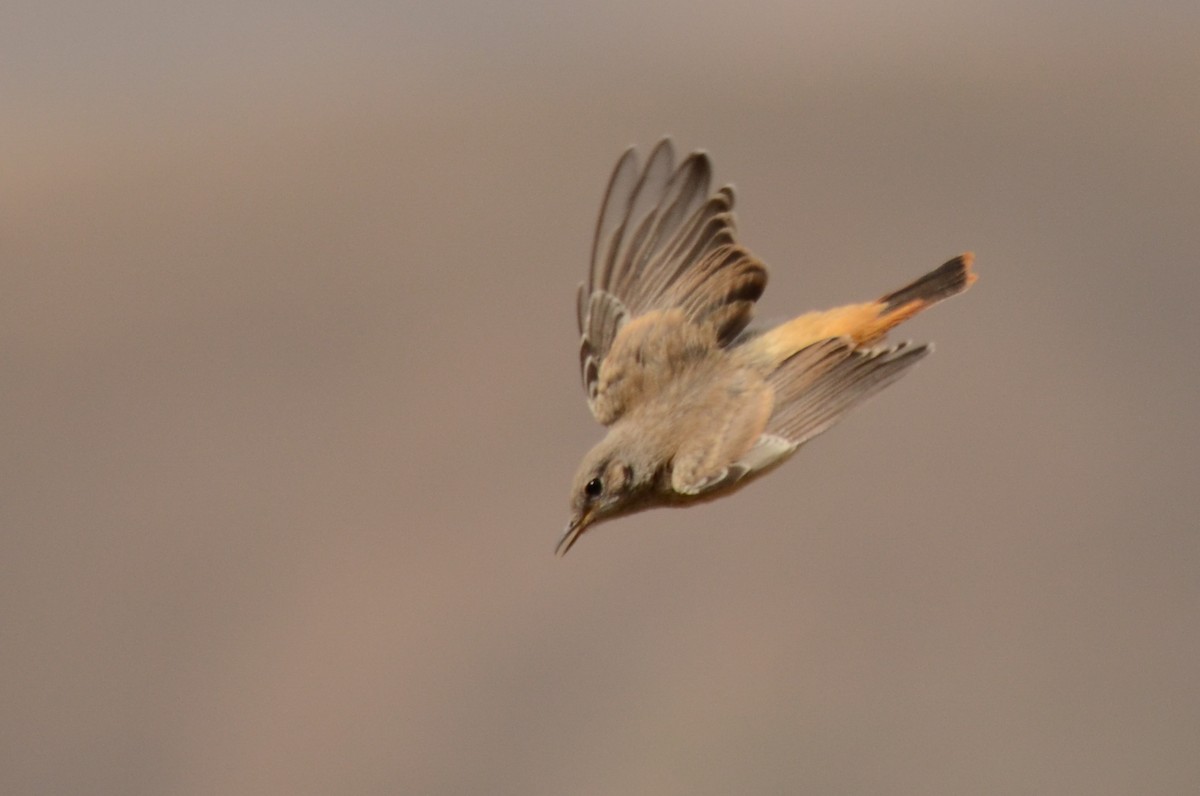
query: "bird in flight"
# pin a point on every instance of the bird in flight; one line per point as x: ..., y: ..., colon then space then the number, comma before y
x: 696, y: 405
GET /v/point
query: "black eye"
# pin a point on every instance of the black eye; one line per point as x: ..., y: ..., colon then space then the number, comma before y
x: 594, y: 487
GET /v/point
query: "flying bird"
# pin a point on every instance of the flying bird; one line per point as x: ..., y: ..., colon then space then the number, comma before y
x: 697, y: 405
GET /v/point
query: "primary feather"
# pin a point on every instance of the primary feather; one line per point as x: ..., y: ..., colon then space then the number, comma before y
x: 663, y: 242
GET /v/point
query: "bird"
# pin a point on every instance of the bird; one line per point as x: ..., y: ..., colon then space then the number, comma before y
x: 698, y: 404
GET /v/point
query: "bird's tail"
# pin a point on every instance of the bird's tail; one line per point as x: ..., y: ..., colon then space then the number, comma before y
x: 867, y: 323
x: 945, y: 281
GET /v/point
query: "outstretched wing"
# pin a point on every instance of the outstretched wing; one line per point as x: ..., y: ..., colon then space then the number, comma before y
x: 813, y: 390
x: 663, y: 242
x: 812, y: 396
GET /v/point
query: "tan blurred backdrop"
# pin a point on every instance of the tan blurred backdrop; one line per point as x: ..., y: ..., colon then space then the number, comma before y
x: 290, y: 403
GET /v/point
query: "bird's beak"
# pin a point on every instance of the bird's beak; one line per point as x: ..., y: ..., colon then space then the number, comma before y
x: 577, y: 525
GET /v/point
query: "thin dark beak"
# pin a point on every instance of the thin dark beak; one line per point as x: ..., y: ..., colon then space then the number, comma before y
x: 574, y: 529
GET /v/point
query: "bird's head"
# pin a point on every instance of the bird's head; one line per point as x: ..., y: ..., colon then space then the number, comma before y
x: 615, y: 478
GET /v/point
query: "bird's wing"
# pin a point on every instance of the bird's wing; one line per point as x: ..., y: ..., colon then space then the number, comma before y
x: 811, y: 394
x: 814, y: 389
x: 663, y: 242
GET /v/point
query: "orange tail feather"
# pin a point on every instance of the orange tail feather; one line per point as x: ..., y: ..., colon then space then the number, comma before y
x: 868, y: 323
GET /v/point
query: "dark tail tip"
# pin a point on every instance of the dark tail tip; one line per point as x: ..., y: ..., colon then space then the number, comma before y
x: 946, y: 280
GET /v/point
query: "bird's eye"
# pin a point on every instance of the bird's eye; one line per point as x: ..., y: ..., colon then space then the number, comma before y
x: 594, y: 487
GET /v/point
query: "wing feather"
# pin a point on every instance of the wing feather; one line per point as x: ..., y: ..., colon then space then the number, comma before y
x: 813, y: 390
x: 662, y: 242
x: 811, y: 396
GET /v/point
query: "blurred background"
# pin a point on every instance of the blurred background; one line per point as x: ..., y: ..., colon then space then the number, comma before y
x: 290, y: 403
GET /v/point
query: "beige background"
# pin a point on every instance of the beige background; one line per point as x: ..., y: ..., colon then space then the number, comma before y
x: 290, y: 406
